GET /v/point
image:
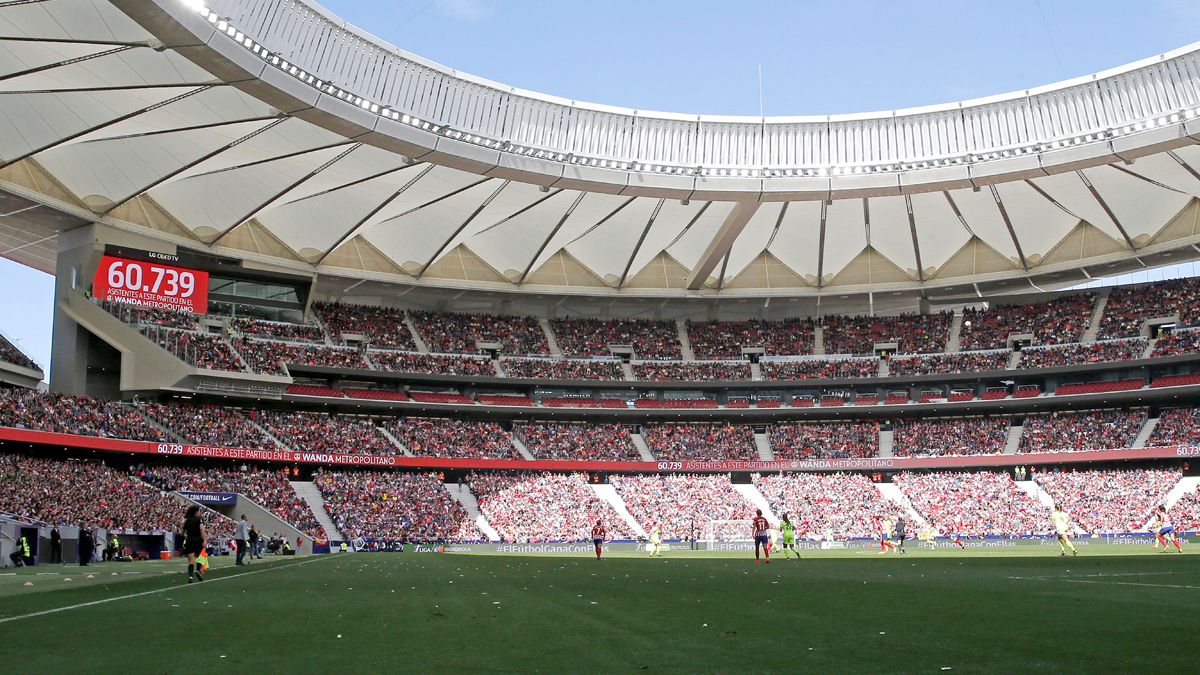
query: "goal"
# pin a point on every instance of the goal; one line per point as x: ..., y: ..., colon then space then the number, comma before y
x: 726, y: 534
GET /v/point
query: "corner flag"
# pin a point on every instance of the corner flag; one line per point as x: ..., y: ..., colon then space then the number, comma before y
x: 202, y: 560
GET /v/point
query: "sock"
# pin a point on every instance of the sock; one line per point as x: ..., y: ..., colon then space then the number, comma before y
x: 1176, y: 542
x: 191, y: 568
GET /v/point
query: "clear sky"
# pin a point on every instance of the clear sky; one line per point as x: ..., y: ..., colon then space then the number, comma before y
x: 703, y: 56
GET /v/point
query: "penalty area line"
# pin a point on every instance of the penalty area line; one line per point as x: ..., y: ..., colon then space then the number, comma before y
x: 152, y: 592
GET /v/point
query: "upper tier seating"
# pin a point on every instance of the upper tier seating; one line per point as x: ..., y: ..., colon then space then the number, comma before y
x: 1080, y: 431
x: 10, y: 354
x: 962, y: 362
x: 578, y: 441
x: 559, y: 369
x: 913, y: 333
x: 1063, y: 319
x: 1128, y: 307
x: 591, y: 337
x: 1076, y: 354
x: 820, y: 440
x: 725, y: 339
x: 438, y: 364
x: 691, y: 371
x: 277, y: 330
x: 459, y: 333
x: 700, y: 441
x: 1176, y: 343
x: 453, y: 438
x: 266, y: 357
x: 199, y: 350
x: 942, y: 437
x: 380, y: 327
x: 820, y: 369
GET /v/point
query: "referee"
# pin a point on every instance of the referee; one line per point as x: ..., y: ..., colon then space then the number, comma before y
x: 193, y: 540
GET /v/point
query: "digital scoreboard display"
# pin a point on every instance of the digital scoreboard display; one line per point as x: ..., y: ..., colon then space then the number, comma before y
x: 152, y: 284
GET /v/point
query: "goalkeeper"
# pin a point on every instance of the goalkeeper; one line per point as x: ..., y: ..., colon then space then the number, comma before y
x: 788, y: 530
x: 655, y: 541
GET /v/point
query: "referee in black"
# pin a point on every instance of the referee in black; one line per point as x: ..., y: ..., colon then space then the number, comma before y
x: 194, y: 537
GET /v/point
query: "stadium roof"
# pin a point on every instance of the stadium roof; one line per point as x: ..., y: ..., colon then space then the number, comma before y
x: 272, y: 131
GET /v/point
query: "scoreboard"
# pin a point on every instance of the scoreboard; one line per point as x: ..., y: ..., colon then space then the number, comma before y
x: 147, y: 280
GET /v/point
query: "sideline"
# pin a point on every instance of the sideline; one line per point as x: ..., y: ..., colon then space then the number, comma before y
x: 162, y: 590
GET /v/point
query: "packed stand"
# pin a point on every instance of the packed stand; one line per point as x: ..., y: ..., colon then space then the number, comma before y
x: 944, y: 364
x: 1109, y: 501
x: 558, y: 369
x: 267, y: 357
x: 691, y: 371
x: 148, y: 316
x: 725, y: 339
x: 682, y: 505
x: 1081, y: 431
x: 650, y: 339
x: 269, y: 489
x: 836, y: 440
x: 438, y: 364
x: 950, y: 437
x: 1176, y: 426
x: 1063, y: 319
x: 199, y: 350
x: 459, y: 333
x: 83, y: 415
x: 820, y: 369
x: 393, y: 506
x: 1177, y: 342
x: 1078, y: 354
x: 578, y: 441
x: 381, y: 327
x: 543, y: 507
x: 457, y: 439
x: 276, y: 330
x: 700, y: 441
x: 1129, y: 307
x: 10, y: 354
x: 1185, y: 514
x: 976, y: 504
x: 316, y: 432
x: 88, y: 494
x: 210, y: 425
x: 913, y: 333
x: 845, y: 506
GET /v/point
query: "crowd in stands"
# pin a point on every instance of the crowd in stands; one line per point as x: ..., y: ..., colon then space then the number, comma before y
x: 210, y: 425
x: 317, y: 432
x: 1176, y: 426
x: 650, y: 339
x: 266, y: 357
x: 86, y: 494
x: 578, y: 441
x: 1076, y: 354
x: 948, y: 437
x: 380, y: 327
x: 682, y: 505
x: 269, y: 489
x: 977, y: 504
x: 393, y: 506
x: 276, y: 330
x: 1080, y: 431
x: 459, y: 333
x: 83, y: 415
x: 147, y: 316
x: 10, y: 354
x: 543, y: 507
x: 1185, y: 514
x: 1177, y: 342
x: 200, y: 350
x: 725, y: 339
x: 439, y: 364
x: 559, y: 369
x: 820, y: 369
x: 1063, y: 319
x: 463, y: 439
x: 691, y: 371
x: 1109, y: 501
x: 844, y: 505
x: 700, y: 441
x: 824, y: 440
x: 1129, y: 307
x: 940, y: 364
x: 913, y: 333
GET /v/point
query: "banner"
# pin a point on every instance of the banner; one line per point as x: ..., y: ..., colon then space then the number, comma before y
x: 151, y: 284
x: 716, y: 466
x: 210, y: 498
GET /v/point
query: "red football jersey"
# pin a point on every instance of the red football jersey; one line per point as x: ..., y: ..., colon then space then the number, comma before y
x: 761, y: 526
x: 598, y: 532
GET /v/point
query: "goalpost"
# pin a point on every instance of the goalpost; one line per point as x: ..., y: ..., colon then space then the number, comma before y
x: 725, y: 534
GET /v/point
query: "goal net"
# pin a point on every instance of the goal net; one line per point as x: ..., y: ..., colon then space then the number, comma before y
x: 726, y: 533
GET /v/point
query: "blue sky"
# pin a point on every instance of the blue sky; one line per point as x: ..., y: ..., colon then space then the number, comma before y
x: 703, y: 56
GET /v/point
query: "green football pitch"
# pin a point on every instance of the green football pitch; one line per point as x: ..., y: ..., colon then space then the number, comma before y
x: 929, y: 611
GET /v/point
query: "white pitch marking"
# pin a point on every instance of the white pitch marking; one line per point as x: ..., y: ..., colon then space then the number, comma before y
x: 1087, y: 576
x: 1127, y: 583
x: 157, y: 590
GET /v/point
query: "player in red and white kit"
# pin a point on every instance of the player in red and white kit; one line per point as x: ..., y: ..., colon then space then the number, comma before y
x: 762, y: 535
x: 598, y: 535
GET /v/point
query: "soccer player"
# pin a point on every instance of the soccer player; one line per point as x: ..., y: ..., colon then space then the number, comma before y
x: 900, y: 535
x: 1166, y: 531
x: 655, y: 541
x: 598, y: 534
x: 761, y: 528
x: 1154, y: 526
x: 1062, y: 528
x: 885, y: 535
x: 788, y: 530
x: 194, y: 537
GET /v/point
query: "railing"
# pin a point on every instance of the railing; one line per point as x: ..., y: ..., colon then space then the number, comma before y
x: 307, y: 42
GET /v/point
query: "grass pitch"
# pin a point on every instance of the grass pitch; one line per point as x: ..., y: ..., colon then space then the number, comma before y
x: 968, y: 611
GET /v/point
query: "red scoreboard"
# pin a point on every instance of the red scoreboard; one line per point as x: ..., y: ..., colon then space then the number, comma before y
x: 152, y: 284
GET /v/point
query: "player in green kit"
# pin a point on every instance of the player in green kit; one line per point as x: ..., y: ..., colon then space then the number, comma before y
x: 788, y: 530
x: 1062, y: 529
x: 655, y: 541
